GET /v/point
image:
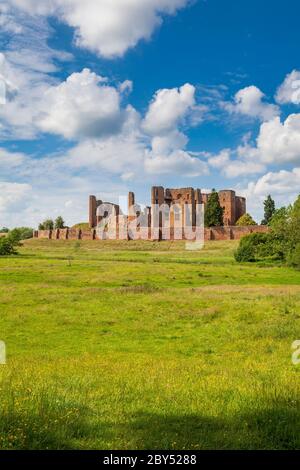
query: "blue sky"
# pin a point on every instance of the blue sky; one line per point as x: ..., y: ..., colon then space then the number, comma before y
x: 102, y: 97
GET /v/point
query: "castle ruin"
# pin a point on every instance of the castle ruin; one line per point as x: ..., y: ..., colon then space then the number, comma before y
x: 178, y: 200
x: 172, y: 211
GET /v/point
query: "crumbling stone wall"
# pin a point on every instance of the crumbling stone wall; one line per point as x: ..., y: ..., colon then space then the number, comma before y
x: 171, y: 211
x: 88, y: 234
x: 213, y: 233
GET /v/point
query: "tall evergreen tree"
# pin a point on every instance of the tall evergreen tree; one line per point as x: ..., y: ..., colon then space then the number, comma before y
x: 270, y: 209
x: 213, y: 216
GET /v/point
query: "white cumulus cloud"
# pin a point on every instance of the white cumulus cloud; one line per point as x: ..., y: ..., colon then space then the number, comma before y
x: 279, y: 142
x: 282, y: 185
x: 289, y: 90
x: 26, y: 72
x: 178, y: 162
x: 82, y: 106
x: 107, y: 27
x: 242, y: 161
x: 168, y: 109
x: 12, y: 195
x: 250, y: 102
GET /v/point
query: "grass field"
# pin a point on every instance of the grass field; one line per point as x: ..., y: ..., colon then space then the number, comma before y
x: 115, y: 345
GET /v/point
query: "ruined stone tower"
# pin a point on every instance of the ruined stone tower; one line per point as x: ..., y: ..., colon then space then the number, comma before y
x: 181, y: 201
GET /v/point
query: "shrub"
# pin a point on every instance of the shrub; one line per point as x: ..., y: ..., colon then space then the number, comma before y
x: 21, y: 233
x: 4, y: 230
x: 251, y: 247
x: 245, y: 254
x: 7, y: 247
x: 293, y: 258
x: 9, y: 244
x: 245, y: 220
x: 281, y: 243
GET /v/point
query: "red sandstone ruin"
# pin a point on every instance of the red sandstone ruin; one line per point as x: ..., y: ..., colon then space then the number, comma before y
x: 234, y: 206
x: 180, y: 204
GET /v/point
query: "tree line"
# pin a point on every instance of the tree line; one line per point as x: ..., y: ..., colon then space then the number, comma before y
x: 50, y: 224
x: 11, y: 240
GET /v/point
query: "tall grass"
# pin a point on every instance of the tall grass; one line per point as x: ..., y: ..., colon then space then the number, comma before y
x: 141, y: 345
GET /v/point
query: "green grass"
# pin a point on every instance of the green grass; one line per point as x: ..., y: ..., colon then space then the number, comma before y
x: 144, y: 345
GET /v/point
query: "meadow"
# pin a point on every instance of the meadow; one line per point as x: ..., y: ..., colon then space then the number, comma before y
x: 141, y: 345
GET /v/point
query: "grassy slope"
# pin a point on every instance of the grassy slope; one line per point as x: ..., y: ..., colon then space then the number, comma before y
x: 146, y: 345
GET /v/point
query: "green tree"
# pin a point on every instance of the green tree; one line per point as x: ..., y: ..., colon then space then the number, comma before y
x: 245, y: 220
x: 269, y: 210
x: 21, y: 233
x: 251, y: 247
x: 7, y: 247
x: 47, y: 225
x: 4, y: 230
x: 9, y: 244
x: 213, y: 216
x: 59, y: 223
x: 294, y: 257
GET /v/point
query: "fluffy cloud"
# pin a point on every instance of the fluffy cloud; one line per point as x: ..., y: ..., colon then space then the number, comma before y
x: 280, y: 142
x: 221, y: 160
x: 26, y: 70
x: 107, y: 27
x: 110, y: 136
x: 82, y: 106
x: 154, y: 145
x: 132, y: 155
x: 168, y: 108
x: 12, y: 195
x: 177, y: 162
x: 283, y: 185
x: 289, y: 91
x: 85, y: 107
x: 165, y: 144
x: 249, y: 102
x: 277, y: 143
x: 115, y: 155
x: 242, y: 161
x: 238, y: 168
x: 9, y: 160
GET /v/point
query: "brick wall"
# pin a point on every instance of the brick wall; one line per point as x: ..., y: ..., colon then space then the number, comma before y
x: 213, y: 233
